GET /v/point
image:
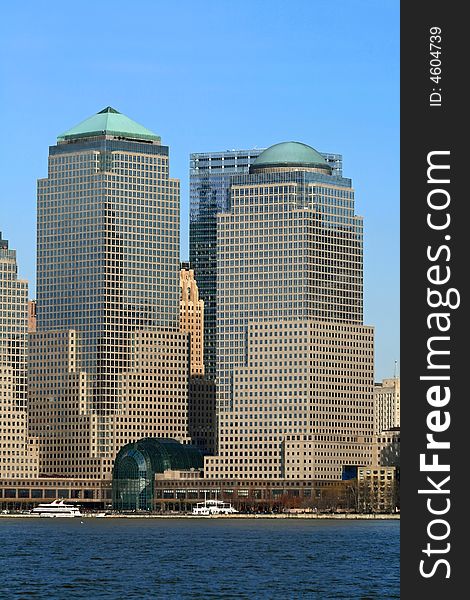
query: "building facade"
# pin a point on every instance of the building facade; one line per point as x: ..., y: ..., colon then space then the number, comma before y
x: 184, y: 490
x: 302, y: 404
x: 377, y: 490
x: 386, y: 449
x: 387, y: 405
x: 289, y: 253
x: 18, y: 452
x: 108, y: 276
x: 108, y: 243
x: 210, y: 180
x: 192, y: 318
x: 155, y: 390
x: 202, y: 413
x: 14, y: 322
x: 32, y: 316
x: 26, y: 493
x: 210, y: 175
x: 59, y: 413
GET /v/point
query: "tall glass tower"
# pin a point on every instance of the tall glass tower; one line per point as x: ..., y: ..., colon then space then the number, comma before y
x: 210, y: 176
x: 108, y: 244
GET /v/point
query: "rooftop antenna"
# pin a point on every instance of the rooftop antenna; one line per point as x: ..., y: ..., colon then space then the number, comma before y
x: 395, y: 370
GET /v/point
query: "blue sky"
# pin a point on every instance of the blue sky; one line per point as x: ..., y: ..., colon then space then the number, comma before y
x: 207, y: 76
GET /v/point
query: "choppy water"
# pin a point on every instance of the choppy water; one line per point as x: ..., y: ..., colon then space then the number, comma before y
x: 198, y: 559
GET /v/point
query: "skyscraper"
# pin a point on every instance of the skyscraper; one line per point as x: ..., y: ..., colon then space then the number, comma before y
x: 294, y: 362
x: 108, y: 243
x: 210, y: 175
x: 14, y: 322
x: 108, y: 271
x: 18, y: 454
x: 210, y: 178
x: 289, y: 247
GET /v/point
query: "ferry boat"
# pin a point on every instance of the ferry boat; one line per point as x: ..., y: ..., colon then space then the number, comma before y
x: 57, y: 508
x: 213, y: 507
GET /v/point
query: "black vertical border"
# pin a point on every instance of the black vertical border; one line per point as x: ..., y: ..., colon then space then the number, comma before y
x: 426, y: 128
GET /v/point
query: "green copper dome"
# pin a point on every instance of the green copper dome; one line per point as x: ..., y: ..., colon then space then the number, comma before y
x: 109, y: 122
x: 290, y: 154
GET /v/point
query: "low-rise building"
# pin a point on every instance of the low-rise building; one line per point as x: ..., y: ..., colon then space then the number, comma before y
x: 24, y: 494
x: 377, y: 489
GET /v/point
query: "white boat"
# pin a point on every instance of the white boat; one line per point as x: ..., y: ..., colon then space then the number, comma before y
x: 213, y: 507
x: 57, y: 508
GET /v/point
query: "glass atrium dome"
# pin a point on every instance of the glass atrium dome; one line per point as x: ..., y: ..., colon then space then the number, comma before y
x: 137, y: 463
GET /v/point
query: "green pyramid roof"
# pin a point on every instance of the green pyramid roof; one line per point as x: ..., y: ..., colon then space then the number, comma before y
x: 290, y: 154
x: 109, y: 122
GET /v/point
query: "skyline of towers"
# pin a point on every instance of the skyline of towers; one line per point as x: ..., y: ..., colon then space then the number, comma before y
x: 118, y: 350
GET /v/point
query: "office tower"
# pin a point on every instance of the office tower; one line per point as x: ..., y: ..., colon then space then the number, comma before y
x: 387, y: 405
x: 14, y: 322
x: 108, y: 243
x: 108, y: 268
x: 192, y: 318
x: 290, y: 247
x: 18, y: 453
x: 210, y: 174
x: 289, y: 254
x: 210, y: 178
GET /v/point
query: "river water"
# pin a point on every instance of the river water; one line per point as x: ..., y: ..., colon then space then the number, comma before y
x: 198, y: 559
